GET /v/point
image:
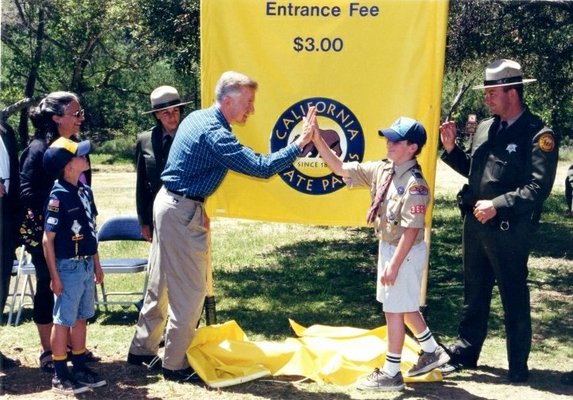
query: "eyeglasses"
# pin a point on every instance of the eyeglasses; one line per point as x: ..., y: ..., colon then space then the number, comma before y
x: 80, y: 113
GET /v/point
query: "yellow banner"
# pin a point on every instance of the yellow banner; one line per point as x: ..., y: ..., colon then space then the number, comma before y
x: 361, y: 63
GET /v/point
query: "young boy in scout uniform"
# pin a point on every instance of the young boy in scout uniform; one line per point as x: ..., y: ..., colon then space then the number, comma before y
x: 400, y: 195
x: 70, y: 248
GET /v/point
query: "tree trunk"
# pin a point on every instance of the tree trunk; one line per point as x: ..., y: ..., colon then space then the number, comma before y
x: 32, y: 77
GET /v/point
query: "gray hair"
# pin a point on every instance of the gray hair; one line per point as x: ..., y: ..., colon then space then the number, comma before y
x: 230, y: 83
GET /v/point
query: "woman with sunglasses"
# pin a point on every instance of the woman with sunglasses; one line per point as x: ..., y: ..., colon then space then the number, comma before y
x: 59, y: 114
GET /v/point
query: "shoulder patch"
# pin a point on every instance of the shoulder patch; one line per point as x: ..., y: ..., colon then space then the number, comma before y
x: 52, y: 221
x: 54, y: 205
x: 546, y: 142
x: 418, y: 190
x: 418, y: 209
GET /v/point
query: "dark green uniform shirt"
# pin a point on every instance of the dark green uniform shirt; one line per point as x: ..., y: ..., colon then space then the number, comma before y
x: 515, y: 169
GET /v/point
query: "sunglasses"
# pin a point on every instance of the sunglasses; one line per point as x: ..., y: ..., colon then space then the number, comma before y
x: 79, y: 113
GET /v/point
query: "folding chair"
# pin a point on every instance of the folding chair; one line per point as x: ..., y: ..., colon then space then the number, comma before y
x: 23, y: 269
x: 124, y: 228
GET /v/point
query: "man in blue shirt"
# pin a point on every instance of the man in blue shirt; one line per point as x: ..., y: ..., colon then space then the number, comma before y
x: 203, y: 151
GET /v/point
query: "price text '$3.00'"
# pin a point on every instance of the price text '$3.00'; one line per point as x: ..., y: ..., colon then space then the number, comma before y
x: 310, y: 44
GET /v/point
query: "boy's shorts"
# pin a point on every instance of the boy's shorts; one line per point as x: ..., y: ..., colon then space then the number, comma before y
x: 404, y: 295
x: 77, y: 299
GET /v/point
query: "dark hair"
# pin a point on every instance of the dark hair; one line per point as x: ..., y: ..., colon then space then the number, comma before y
x: 419, y: 149
x: 158, y: 122
x: 518, y: 89
x: 54, y: 103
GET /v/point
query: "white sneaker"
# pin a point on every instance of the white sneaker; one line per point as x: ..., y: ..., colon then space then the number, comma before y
x: 429, y: 361
x: 380, y: 381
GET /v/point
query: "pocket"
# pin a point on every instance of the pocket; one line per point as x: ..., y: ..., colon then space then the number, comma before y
x: 64, y: 266
x: 498, y: 168
x: 150, y: 165
x: 199, y: 221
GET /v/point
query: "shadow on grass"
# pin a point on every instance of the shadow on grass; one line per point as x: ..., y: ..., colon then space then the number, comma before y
x: 123, y: 382
x: 544, y: 380
x: 313, y: 282
x: 117, y: 316
x: 332, y: 282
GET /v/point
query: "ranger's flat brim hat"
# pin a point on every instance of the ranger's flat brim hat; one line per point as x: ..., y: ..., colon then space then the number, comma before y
x: 503, y: 73
x: 164, y: 97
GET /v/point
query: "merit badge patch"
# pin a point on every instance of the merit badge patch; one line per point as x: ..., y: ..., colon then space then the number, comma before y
x: 52, y: 221
x: 546, y: 142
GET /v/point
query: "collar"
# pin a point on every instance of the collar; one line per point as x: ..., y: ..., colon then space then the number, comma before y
x: 70, y: 186
x: 221, y: 117
x: 405, y: 167
x: 511, y: 121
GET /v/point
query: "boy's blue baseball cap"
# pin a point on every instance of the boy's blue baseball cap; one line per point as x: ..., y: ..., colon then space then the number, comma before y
x: 61, y: 152
x: 405, y: 128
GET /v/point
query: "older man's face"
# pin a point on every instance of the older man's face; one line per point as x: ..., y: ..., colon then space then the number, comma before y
x: 242, y: 105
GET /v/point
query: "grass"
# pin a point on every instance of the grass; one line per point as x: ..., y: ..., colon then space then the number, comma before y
x: 266, y: 273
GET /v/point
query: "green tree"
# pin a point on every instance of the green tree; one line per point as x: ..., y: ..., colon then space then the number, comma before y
x: 172, y: 27
x: 537, y: 34
x: 100, y: 49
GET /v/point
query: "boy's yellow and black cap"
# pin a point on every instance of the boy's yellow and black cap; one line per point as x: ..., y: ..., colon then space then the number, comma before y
x: 61, y: 152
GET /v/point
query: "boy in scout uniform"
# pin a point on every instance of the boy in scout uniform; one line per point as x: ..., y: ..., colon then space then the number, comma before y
x: 70, y: 248
x: 400, y: 195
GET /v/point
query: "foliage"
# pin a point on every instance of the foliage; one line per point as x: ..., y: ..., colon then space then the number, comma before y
x: 174, y: 25
x: 535, y: 33
x: 102, y: 50
x: 121, y: 147
x: 114, y: 52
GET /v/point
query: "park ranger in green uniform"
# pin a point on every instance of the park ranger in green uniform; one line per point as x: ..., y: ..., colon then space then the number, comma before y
x: 510, y: 169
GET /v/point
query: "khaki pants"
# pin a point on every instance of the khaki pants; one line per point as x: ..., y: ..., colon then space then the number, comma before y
x: 177, y: 279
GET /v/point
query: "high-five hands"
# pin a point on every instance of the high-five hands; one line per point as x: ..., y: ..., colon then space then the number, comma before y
x: 307, y: 128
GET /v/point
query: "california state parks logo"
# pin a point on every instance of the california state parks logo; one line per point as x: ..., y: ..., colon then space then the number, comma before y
x: 341, y: 130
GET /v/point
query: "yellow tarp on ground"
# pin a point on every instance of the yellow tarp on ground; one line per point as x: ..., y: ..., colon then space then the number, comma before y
x: 222, y: 355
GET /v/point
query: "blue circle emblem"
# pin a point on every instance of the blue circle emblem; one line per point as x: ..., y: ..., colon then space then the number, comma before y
x: 340, y: 129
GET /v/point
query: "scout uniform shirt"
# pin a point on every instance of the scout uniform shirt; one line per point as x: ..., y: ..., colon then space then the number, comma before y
x: 406, y: 199
x: 70, y: 213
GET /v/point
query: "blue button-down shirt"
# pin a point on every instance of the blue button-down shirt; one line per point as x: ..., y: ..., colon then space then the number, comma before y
x: 204, y: 150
